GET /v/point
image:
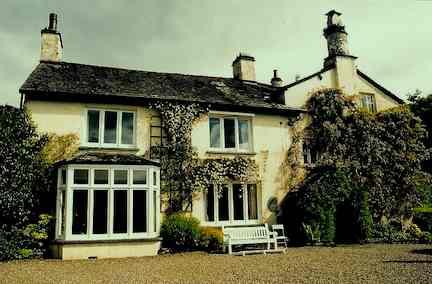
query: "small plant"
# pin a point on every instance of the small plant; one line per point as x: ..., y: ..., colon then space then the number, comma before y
x: 211, y: 239
x: 180, y: 232
x: 312, y: 233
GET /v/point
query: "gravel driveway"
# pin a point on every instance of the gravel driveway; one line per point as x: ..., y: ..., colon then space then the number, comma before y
x: 343, y: 264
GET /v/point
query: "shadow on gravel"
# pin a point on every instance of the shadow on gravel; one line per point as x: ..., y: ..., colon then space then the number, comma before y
x: 422, y: 251
x: 407, y: 261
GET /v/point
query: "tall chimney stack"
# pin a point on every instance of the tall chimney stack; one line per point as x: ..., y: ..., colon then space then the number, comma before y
x: 51, y: 41
x: 244, y: 67
x: 339, y: 55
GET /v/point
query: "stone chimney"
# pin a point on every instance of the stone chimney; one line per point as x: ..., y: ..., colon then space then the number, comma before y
x: 51, y: 41
x: 339, y: 55
x: 244, y: 67
x: 276, y: 81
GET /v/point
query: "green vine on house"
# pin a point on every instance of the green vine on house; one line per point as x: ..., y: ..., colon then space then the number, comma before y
x: 368, y: 170
x: 183, y: 172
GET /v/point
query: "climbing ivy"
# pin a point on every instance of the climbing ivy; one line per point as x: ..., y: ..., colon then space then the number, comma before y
x: 183, y: 172
x: 368, y: 163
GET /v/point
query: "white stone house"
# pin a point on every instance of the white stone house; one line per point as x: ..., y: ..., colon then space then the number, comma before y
x: 108, y: 198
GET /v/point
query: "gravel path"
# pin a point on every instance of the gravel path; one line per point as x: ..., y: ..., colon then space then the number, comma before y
x: 342, y: 264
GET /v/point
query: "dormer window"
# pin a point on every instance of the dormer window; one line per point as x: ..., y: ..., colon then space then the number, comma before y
x: 230, y: 133
x: 110, y: 128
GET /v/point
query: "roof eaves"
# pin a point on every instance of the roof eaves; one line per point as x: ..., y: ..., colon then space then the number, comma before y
x: 308, y: 77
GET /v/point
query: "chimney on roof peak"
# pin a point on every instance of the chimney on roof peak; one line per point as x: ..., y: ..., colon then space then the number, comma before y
x: 276, y: 81
x: 51, y: 41
x: 244, y: 67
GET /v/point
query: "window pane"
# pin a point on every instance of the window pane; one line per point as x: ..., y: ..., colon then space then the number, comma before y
x: 93, y: 126
x: 100, y: 211
x: 243, y: 134
x: 63, y: 176
x: 140, y: 176
x: 120, y: 211
x: 120, y: 176
x: 79, y: 212
x: 252, y: 202
x: 238, y: 202
x: 155, y: 211
x: 229, y: 131
x: 139, y: 211
x: 210, y: 204
x: 223, y: 204
x: 63, y: 212
x: 155, y: 178
x: 127, y: 128
x: 215, y: 133
x: 110, y: 129
x: 81, y: 176
x: 101, y: 176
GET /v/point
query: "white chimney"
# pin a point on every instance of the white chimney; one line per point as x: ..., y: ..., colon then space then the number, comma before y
x: 51, y: 41
x: 244, y: 67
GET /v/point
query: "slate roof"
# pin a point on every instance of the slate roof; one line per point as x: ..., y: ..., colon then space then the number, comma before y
x: 79, y: 82
x: 107, y: 159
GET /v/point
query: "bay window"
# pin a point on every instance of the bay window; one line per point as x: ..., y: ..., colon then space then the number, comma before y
x: 231, y: 204
x: 107, y: 202
x: 230, y: 133
x: 110, y: 128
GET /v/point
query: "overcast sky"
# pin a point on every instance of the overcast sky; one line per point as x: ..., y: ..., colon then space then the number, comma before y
x: 393, y: 39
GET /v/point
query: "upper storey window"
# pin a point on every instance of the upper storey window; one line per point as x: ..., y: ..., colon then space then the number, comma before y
x: 110, y: 128
x: 230, y: 133
x: 368, y: 103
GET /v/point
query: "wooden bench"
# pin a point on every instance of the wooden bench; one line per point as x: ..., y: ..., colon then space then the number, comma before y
x: 248, y: 235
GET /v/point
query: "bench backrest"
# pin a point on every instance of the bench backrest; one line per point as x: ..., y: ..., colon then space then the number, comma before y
x: 244, y: 233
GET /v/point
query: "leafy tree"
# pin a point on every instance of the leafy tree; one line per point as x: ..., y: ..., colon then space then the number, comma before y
x: 422, y: 107
x: 22, y: 175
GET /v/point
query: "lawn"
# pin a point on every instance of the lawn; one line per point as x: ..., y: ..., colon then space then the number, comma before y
x: 343, y: 264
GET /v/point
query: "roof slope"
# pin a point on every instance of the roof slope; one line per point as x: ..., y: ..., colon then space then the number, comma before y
x: 379, y: 87
x: 71, y: 81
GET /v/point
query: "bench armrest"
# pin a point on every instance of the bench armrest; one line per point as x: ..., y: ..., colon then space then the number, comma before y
x: 273, y: 234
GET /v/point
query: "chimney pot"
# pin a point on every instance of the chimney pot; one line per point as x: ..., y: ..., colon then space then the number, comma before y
x: 276, y: 81
x: 52, y: 22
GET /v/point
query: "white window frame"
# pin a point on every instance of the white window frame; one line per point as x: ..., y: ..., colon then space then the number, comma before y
x: 231, y: 221
x: 368, y: 102
x: 152, y: 210
x: 236, y: 129
x: 102, y: 144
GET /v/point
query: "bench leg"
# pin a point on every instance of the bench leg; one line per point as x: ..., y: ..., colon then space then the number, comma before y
x: 229, y: 249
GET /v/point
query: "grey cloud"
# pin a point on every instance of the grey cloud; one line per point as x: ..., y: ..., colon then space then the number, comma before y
x: 392, y: 39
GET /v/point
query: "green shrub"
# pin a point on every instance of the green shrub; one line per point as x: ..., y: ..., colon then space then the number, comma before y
x: 328, y: 225
x: 211, y: 239
x: 22, y: 178
x: 423, y: 218
x: 30, y: 242
x: 180, y: 232
x: 365, y: 218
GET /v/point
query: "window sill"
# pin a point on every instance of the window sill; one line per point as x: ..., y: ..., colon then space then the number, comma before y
x: 131, y: 149
x: 71, y: 242
x: 221, y: 152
